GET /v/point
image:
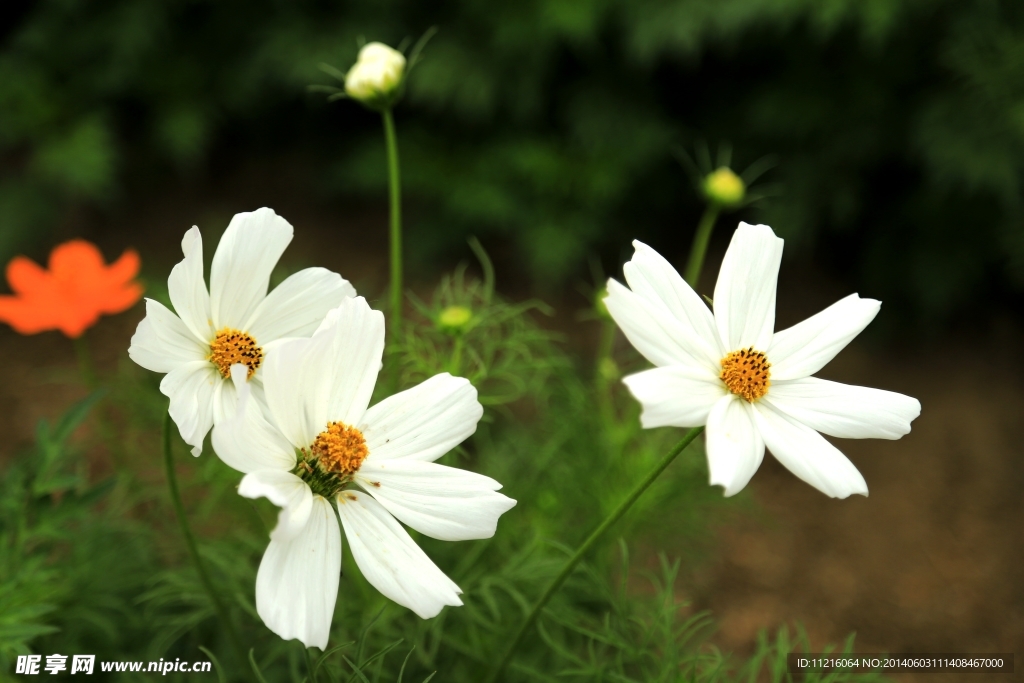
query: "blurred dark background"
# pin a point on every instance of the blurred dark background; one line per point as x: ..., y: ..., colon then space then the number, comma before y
x: 547, y: 128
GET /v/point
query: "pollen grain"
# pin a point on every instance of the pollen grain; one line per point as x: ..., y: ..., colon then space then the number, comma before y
x: 231, y: 347
x: 746, y: 373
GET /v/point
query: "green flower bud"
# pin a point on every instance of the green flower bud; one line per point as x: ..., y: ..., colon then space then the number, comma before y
x: 376, y: 76
x: 608, y: 369
x: 723, y: 187
x: 454, y: 320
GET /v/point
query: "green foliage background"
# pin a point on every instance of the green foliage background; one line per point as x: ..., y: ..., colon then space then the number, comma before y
x: 898, y: 124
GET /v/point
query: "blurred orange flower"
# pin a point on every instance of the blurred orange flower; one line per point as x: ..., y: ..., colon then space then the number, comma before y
x: 71, y: 296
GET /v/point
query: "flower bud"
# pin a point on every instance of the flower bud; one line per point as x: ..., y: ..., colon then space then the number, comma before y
x: 455, y: 320
x: 724, y: 188
x: 376, y: 76
x: 609, y: 370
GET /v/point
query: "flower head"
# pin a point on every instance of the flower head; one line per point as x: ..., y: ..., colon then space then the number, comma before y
x: 455, y: 319
x: 724, y: 188
x: 751, y: 386
x: 73, y: 293
x: 234, y: 322
x: 318, y: 446
x: 376, y: 77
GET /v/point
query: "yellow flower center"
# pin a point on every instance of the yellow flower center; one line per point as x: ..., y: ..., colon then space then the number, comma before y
x: 231, y: 347
x: 337, y: 453
x: 745, y: 373
x: 340, y: 449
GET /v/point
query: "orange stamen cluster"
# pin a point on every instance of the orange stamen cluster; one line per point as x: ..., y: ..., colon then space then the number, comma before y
x: 340, y: 449
x: 231, y: 347
x: 745, y: 373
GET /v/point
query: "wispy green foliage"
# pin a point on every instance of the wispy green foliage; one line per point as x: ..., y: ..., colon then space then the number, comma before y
x: 45, y: 505
x: 489, y: 341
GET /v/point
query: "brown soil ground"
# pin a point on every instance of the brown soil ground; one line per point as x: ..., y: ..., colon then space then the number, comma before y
x: 932, y: 561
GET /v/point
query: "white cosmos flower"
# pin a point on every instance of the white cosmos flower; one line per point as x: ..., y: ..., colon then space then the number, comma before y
x: 751, y: 386
x: 318, y: 446
x: 236, y: 321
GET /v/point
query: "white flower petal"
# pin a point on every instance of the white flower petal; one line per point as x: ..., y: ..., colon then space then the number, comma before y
x: 297, y: 306
x: 805, y: 348
x: 424, y: 422
x: 844, y: 410
x: 807, y: 454
x: 288, y: 492
x: 244, y: 439
x: 390, y: 560
x: 240, y: 272
x: 297, y: 583
x: 675, y: 396
x: 269, y: 348
x: 327, y: 377
x: 745, y: 292
x: 442, y: 502
x: 652, y: 277
x: 734, y: 445
x: 162, y: 342
x: 358, y: 333
x: 225, y: 397
x: 191, y: 388
x: 187, y: 288
x: 295, y: 381
x: 258, y: 393
x: 651, y: 330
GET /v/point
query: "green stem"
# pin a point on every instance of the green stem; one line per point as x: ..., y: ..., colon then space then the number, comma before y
x: 85, y: 365
x: 604, y: 353
x: 103, y: 422
x: 589, y: 543
x: 456, y: 362
x: 700, y: 245
x: 395, y: 196
x: 190, y: 543
x: 605, y: 344
x: 309, y: 665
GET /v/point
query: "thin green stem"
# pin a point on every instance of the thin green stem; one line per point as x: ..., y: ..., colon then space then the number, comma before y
x: 309, y: 665
x: 605, y: 344
x: 395, y: 196
x: 104, y: 426
x: 190, y: 543
x: 455, y: 365
x: 616, y: 514
x: 700, y: 244
x: 603, y: 357
x: 85, y: 365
